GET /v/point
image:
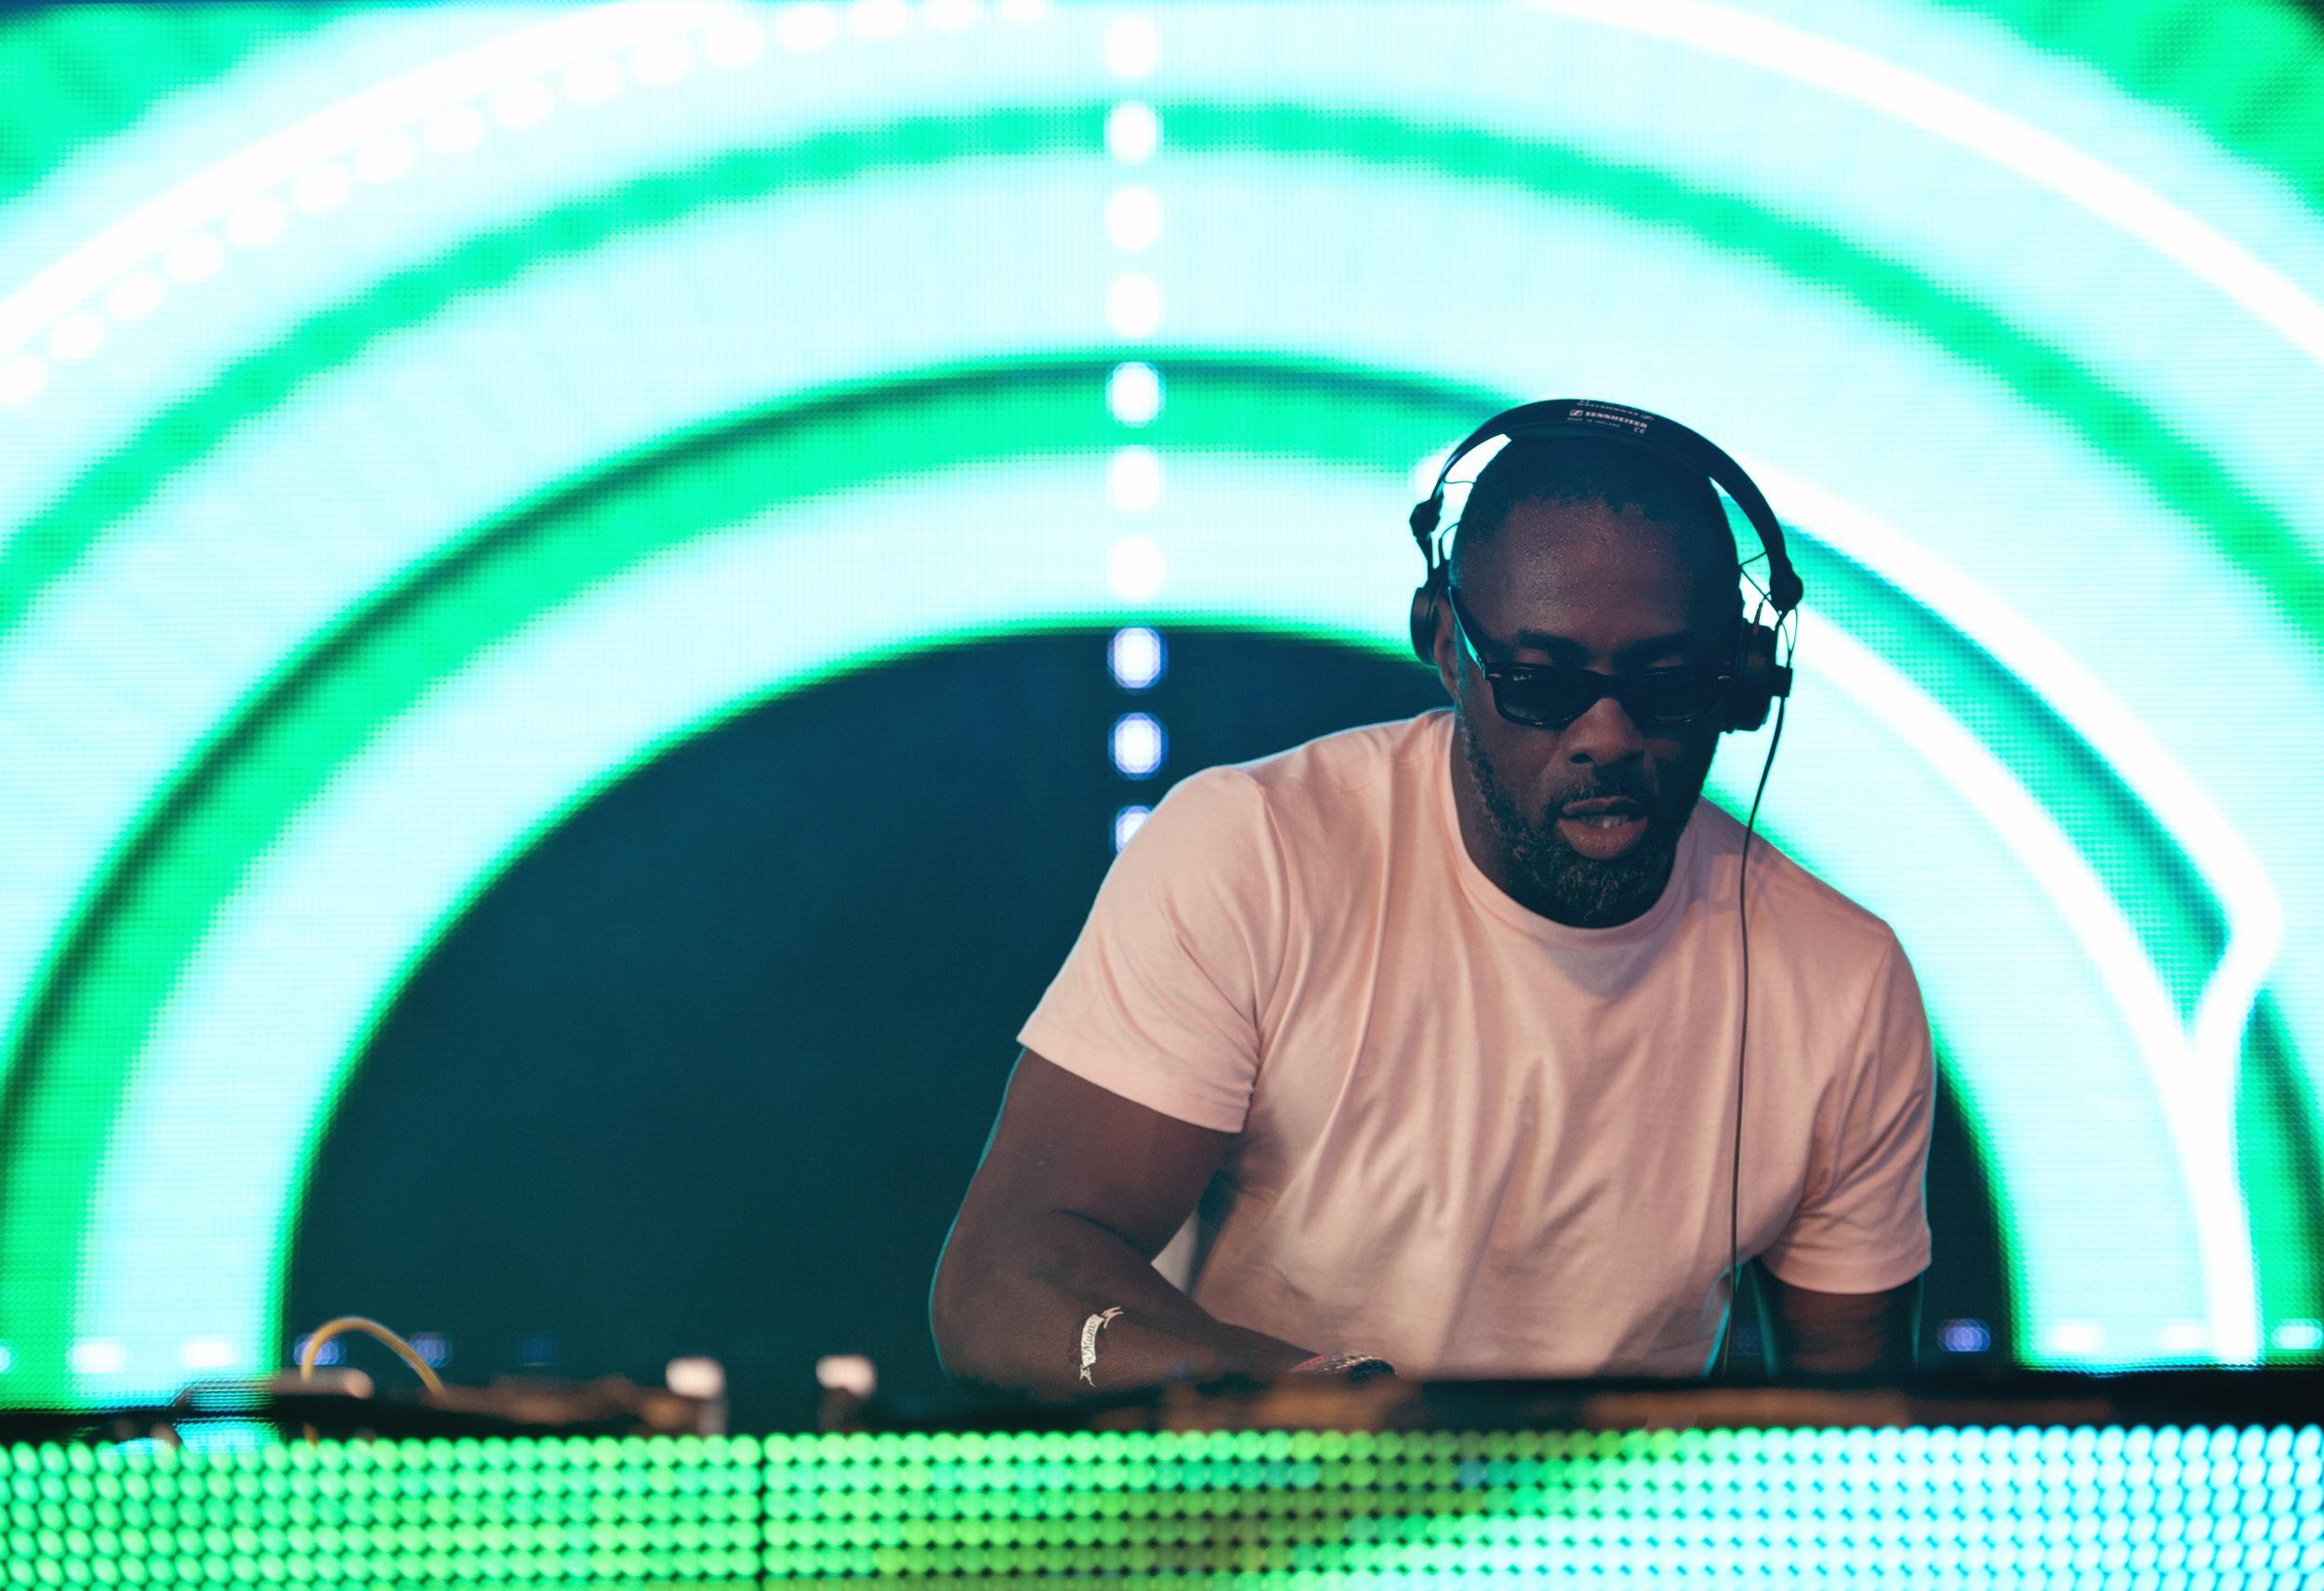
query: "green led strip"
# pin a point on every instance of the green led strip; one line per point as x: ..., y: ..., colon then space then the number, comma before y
x: 1746, y: 1506
x: 79, y: 74
x: 2244, y: 70
x: 82, y: 74
x: 386, y: 1513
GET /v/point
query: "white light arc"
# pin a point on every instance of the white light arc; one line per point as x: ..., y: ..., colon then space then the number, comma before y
x: 2206, y: 837
x: 2010, y: 143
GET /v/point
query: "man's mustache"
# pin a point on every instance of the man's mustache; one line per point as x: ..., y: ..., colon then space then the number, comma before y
x: 1605, y: 786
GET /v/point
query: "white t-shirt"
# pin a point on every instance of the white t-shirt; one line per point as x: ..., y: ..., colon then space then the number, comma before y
x: 1472, y: 1140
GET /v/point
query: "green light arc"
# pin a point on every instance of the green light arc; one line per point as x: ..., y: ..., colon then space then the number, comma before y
x: 2235, y: 80
x: 2243, y: 96
x: 487, y: 583
x: 148, y: 53
x: 2247, y: 535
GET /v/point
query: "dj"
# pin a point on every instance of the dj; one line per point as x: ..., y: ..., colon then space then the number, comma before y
x: 1439, y: 1028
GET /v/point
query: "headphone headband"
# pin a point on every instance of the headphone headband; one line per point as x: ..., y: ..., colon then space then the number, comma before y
x: 1632, y: 428
x: 1761, y: 676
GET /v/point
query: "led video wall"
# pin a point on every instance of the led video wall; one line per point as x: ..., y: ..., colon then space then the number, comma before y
x: 423, y: 428
x: 2222, y: 1505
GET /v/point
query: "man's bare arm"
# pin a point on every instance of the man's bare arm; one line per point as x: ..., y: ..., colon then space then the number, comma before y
x: 1078, y: 1191
x: 1861, y: 1334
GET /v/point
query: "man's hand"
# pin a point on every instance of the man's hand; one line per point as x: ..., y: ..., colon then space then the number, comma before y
x: 1870, y: 1335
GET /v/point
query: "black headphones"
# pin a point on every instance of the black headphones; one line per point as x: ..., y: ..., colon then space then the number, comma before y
x: 1759, y: 678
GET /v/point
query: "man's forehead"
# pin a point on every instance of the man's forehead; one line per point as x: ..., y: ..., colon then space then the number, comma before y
x: 1536, y: 527
x: 1594, y: 579
x: 1562, y: 558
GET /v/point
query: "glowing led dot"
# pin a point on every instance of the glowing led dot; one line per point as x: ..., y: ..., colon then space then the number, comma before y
x: 1132, y: 132
x: 1135, y: 656
x: 98, y: 1356
x: 2298, y: 1337
x: 1133, y: 479
x: 332, y: 1352
x: 259, y: 223
x: 195, y: 258
x: 322, y: 191
x: 205, y: 1353
x: 524, y: 103
x: 1133, y: 567
x: 431, y: 1347
x: 591, y: 82
x: 742, y: 41
x: 1127, y: 822
x: 7, y: 1358
x: 389, y: 158
x: 76, y: 336
x: 1965, y: 1337
x: 951, y: 15
x: 878, y: 19
x: 22, y: 379
x: 1132, y: 46
x: 2076, y: 1338
x: 1133, y: 305
x: 1139, y: 744
x: 454, y: 131
x: 1133, y: 218
x: 661, y: 62
x: 1133, y: 393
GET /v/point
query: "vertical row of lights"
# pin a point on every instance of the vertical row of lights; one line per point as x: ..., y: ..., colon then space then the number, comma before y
x: 1133, y: 395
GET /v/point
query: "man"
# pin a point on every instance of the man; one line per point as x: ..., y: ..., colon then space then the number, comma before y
x: 1433, y: 1025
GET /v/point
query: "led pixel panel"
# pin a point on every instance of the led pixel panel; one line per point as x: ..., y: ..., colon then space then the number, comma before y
x: 2227, y: 1506
x: 418, y: 425
x: 386, y: 1512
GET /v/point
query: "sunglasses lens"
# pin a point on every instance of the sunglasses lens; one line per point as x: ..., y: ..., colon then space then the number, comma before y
x: 1553, y: 697
x: 1672, y: 695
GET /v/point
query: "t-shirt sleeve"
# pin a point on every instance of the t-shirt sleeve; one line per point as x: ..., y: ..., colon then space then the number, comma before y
x: 1864, y: 1226
x: 1161, y: 998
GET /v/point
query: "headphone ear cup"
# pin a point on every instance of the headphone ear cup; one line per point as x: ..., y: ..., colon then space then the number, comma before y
x: 1424, y: 620
x: 1758, y: 679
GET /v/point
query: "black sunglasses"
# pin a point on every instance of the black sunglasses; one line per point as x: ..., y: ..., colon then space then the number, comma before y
x: 1552, y: 695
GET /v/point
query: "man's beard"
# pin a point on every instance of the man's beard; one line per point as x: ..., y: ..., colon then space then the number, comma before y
x: 1557, y: 881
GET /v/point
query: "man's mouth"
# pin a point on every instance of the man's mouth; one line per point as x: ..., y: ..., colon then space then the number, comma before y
x: 1604, y: 827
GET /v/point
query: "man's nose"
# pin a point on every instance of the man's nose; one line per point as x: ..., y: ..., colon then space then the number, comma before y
x: 1604, y: 734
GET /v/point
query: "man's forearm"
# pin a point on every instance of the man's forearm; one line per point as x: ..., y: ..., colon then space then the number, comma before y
x: 1011, y: 1309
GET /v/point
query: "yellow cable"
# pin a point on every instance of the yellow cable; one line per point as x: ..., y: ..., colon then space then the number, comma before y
x: 329, y: 1329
